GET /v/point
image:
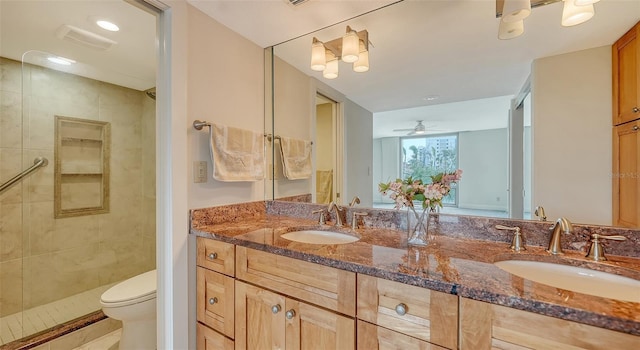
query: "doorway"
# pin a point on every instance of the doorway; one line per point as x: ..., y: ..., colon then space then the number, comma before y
x: 326, y: 168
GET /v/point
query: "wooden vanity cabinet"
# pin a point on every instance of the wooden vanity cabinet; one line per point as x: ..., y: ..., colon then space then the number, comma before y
x: 626, y: 175
x: 215, y: 294
x: 372, y: 337
x: 626, y: 77
x: 268, y: 320
x: 489, y: 326
x: 427, y: 315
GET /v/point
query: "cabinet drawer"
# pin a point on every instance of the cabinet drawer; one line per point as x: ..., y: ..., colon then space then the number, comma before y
x: 325, y: 286
x: 215, y: 303
x: 211, y: 340
x: 428, y: 315
x: 490, y: 326
x: 215, y: 255
x: 372, y: 337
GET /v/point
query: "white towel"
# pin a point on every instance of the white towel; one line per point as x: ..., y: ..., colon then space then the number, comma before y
x: 237, y: 154
x: 296, y: 158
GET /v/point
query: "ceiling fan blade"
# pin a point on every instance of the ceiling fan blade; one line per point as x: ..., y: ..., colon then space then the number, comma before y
x: 411, y: 129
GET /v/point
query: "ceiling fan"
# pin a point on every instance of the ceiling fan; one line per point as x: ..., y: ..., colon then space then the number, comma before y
x: 419, y: 129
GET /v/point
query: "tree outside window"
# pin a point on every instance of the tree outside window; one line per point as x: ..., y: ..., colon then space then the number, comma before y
x: 426, y: 156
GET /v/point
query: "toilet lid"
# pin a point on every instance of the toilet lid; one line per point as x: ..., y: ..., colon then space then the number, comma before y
x: 141, y: 287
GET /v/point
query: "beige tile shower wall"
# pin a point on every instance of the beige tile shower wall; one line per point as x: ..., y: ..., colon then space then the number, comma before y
x: 67, y: 256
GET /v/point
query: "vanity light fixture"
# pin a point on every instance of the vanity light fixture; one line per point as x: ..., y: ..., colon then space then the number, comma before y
x: 513, y: 12
x: 353, y: 47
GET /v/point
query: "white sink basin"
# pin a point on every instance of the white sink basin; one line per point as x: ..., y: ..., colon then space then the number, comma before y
x: 575, y: 279
x: 319, y: 237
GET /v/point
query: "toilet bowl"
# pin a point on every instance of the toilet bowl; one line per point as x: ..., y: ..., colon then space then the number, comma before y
x: 133, y: 302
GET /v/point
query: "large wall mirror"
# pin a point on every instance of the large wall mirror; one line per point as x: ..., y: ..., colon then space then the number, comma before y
x: 528, y: 120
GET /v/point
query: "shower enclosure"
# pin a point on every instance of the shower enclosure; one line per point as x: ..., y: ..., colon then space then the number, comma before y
x: 53, y: 267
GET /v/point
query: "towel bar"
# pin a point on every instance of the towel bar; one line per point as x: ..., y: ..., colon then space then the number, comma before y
x: 199, y: 124
x: 269, y: 137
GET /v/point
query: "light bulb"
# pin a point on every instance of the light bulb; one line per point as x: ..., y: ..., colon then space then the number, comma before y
x: 318, y: 57
x: 516, y: 10
x: 510, y: 30
x: 573, y: 15
x: 331, y: 72
x: 362, y: 64
x: 350, y: 46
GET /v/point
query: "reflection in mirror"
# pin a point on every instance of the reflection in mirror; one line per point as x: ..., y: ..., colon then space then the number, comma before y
x: 531, y: 115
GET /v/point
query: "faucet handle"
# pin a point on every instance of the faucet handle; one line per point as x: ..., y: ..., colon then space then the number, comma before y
x: 540, y: 213
x: 321, y: 219
x: 354, y: 219
x: 596, y: 251
x: 354, y: 201
x: 517, y: 244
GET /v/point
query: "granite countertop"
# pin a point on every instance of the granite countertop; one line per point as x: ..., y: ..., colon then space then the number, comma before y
x: 454, y: 265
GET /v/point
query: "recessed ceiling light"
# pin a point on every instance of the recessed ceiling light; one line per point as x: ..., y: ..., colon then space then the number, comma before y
x: 60, y: 60
x: 112, y: 27
x: 431, y: 98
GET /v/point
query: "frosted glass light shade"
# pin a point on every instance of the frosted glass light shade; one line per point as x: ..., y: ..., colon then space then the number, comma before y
x: 573, y: 15
x: 350, y: 47
x: 318, y: 57
x: 516, y: 10
x: 510, y: 30
x: 362, y: 64
x: 331, y: 72
x: 585, y: 2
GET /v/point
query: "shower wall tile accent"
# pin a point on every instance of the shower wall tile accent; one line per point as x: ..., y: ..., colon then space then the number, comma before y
x: 66, y: 256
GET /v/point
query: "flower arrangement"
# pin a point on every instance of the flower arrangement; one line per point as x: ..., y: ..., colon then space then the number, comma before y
x: 405, y: 192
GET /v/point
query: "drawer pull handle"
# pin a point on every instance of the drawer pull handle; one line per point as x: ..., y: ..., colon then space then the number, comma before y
x: 290, y: 314
x: 635, y: 128
x: 401, y: 309
x: 213, y: 300
x: 636, y: 109
x: 276, y: 308
x: 213, y: 256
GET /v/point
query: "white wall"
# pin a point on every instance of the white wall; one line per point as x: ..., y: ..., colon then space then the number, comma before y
x: 386, y: 164
x: 571, y: 135
x: 483, y: 158
x: 358, y: 153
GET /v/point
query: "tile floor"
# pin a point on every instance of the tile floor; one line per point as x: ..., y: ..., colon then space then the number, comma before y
x: 19, y: 325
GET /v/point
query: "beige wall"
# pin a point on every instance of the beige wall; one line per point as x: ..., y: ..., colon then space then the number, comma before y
x: 571, y: 135
x: 66, y: 256
x: 225, y: 85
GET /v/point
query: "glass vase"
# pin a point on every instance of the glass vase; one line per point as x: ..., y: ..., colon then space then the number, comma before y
x: 417, y: 224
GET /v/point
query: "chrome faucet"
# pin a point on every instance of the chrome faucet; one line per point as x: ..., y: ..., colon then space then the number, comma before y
x: 339, y: 210
x: 561, y: 225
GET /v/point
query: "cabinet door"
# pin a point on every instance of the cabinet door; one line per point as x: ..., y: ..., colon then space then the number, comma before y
x: 489, y: 326
x: 215, y: 302
x: 372, y: 337
x: 309, y: 328
x: 626, y: 94
x: 625, y: 173
x: 209, y: 339
x: 260, y: 322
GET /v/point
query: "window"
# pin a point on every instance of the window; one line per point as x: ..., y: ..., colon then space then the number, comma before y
x: 425, y: 156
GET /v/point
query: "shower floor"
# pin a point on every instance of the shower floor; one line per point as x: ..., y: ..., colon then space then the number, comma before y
x: 22, y: 324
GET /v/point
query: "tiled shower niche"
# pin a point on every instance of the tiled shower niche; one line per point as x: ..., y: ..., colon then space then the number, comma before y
x: 82, y: 150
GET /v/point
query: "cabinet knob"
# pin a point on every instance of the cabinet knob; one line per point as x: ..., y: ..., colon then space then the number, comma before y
x: 213, y: 300
x: 276, y: 308
x: 635, y: 128
x: 213, y: 256
x: 290, y: 314
x: 636, y: 109
x: 401, y: 309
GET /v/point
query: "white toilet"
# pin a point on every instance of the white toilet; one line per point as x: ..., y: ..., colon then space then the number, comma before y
x: 133, y: 301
